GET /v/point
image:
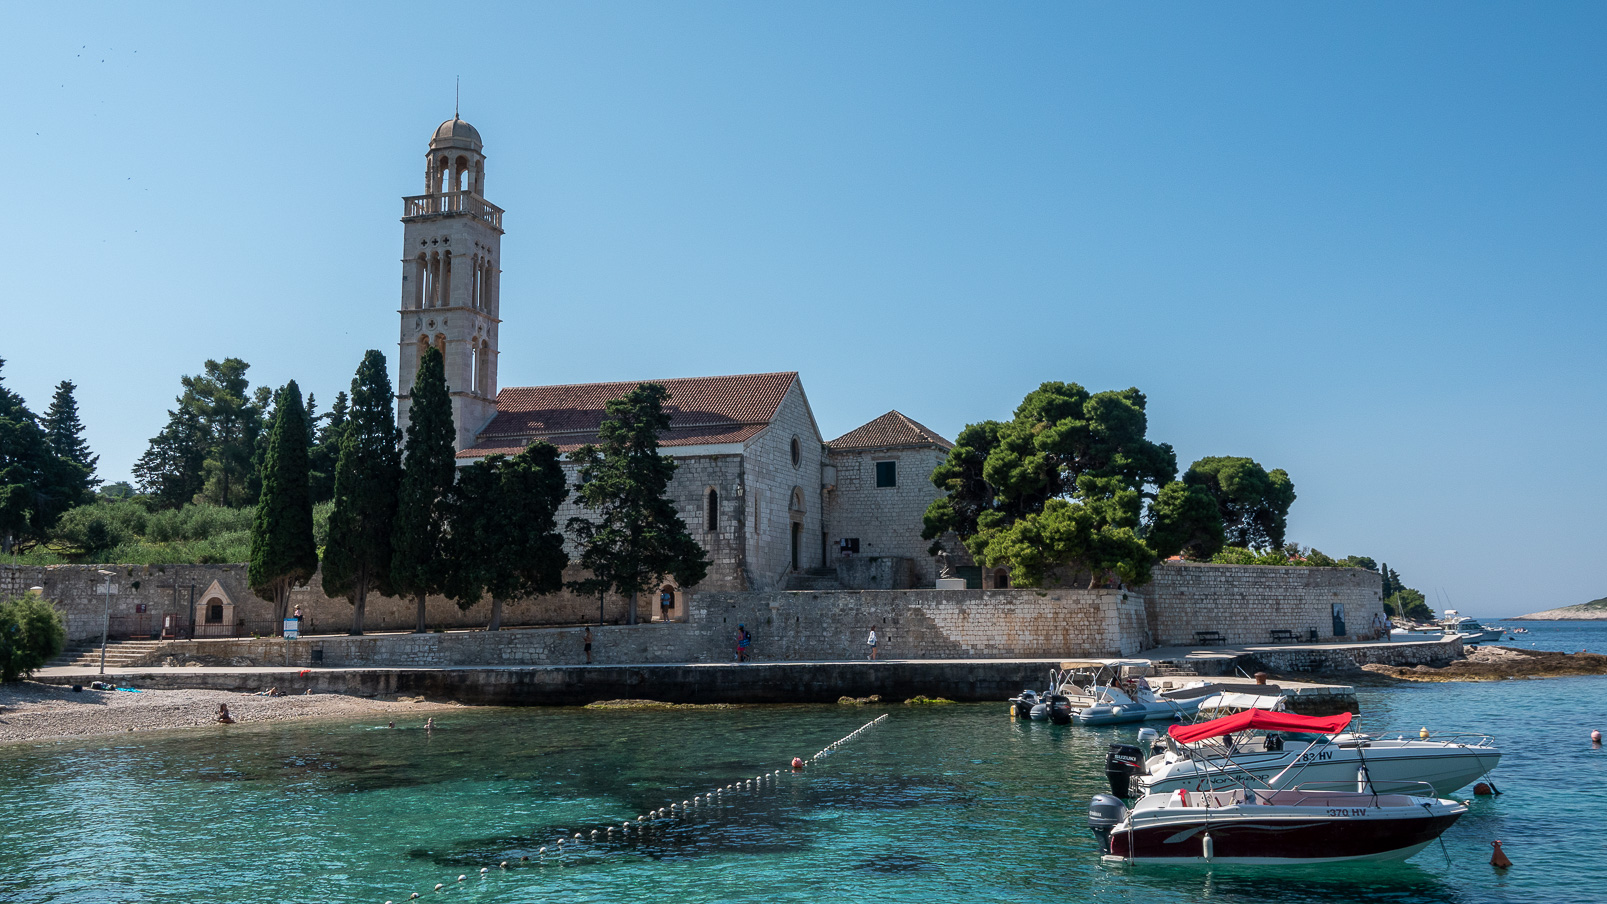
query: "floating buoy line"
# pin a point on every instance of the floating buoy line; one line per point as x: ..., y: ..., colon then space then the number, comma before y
x: 652, y: 819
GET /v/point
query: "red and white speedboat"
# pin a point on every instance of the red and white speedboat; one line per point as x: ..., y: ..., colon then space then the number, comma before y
x: 1312, y: 823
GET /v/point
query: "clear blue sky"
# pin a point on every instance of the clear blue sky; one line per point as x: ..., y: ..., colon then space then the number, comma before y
x: 1361, y: 242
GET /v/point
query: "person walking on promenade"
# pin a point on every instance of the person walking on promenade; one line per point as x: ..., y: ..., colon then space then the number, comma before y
x: 871, y: 642
x: 588, y: 645
x: 743, y: 639
x: 666, y: 602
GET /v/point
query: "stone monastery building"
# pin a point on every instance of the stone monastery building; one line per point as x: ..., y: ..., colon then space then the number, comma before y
x: 775, y: 505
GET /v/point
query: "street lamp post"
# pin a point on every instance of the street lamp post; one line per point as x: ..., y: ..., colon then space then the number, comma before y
x: 106, y: 618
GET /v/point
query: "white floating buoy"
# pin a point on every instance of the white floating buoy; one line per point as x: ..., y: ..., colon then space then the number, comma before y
x: 503, y: 865
x: 440, y: 885
x: 484, y: 870
x: 461, y: 878
x: 412, y: 896
x: 577, y: 836
x: 594, y: 833
x: 543, y: 850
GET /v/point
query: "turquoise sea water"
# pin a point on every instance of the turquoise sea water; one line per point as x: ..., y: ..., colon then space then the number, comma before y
x: 937, y: 804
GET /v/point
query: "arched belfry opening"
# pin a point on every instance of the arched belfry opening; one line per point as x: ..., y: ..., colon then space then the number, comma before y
x: 452, y: 239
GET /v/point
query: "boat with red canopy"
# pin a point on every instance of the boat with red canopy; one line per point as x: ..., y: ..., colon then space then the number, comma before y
x: 1319, y: 822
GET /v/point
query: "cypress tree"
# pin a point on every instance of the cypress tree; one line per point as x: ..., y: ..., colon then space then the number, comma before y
x: 419, y: 566
x: 640, y: 537
x: 66, y: 434
x: 357, y: 557
x: 283, y: 552
x: 505, y: 540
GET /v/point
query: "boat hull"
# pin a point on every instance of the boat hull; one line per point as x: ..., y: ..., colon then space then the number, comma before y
x: 1279, y: 838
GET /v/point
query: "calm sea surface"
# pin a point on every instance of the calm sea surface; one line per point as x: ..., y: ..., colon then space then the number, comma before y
x: 937, y: 804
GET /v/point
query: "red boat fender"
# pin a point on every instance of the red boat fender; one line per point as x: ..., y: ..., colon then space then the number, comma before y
x: 797, y: 763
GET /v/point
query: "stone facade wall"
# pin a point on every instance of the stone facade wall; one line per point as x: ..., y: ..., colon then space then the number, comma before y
x: 1245, y: 602
x: 771, y: 480
x: 886, y: 520
x: 694, y: 476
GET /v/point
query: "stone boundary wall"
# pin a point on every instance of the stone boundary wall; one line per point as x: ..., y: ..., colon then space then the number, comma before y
x: 165, y: 589
x: 1245, y: 602
x: 927, y: 624
x: 786, y: 626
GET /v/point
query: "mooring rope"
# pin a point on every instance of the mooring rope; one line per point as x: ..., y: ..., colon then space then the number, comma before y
x: 649, y: 820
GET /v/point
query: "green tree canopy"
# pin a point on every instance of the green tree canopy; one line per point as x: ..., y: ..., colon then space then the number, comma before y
x: 638, y: 537
x: 283, y: 553
x: 171, y: 472
x: 1088, y: 453
x: 419, y: 564
x: 505, y: 540
x: 1254, y: 502
x: 357, y: 556
x: 1184, y: 519
x: 36, y: 485
x: 325, y: 452
x: 209, y: 450
x: 66, y: 434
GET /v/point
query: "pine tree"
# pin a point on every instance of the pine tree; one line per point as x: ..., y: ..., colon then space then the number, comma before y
x: 357, y: 557
x: 283, y: 552
x: 505, y: 540
x: 171, y: 472
x: 36, y: 485
x: 640, y: 537
x: 326, y: 450
x: 419, y: 566
x: 66, y: 434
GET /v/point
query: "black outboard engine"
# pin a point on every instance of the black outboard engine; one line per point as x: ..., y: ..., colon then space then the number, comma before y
x: 1122, y: 762
x: 1059, y: 709
x: 1104, y: 814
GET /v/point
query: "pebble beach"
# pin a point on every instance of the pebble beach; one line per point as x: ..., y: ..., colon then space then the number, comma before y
x: 31, y: 711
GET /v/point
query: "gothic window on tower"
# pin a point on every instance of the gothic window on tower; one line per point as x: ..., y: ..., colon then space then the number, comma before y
x: 419, y: 268
x: 712, y: 508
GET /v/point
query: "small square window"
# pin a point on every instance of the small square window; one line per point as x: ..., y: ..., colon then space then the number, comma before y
x: 887, y: 473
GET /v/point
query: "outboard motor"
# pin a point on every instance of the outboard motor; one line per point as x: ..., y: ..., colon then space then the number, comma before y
x: 1104, y: 814
x: 1149, y: 739
x: 1122, y: 762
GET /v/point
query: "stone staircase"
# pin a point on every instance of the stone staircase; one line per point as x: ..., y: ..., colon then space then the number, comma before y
x: 1172, y: 668
x: 119, y: 653
x: 814, y: 579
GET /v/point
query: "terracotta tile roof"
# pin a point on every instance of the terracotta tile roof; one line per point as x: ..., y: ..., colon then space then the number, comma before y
x: 891, y: 429
x: 703, y: 410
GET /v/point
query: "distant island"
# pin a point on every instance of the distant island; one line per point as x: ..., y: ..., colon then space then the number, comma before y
x: 1593, y: 609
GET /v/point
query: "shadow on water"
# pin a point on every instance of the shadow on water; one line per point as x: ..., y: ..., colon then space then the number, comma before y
x: 1404, y: 883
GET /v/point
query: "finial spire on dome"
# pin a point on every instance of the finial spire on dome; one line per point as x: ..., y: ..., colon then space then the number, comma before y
x: 457, y: 93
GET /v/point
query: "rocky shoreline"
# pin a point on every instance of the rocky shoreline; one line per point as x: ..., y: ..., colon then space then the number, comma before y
x: 1567, y: 613
x: 32, y: 712
x: 1495, y: 663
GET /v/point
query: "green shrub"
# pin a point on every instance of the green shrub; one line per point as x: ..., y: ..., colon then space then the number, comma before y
x: 31, y: 632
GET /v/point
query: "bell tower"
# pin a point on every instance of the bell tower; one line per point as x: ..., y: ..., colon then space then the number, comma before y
x: 451, y: 252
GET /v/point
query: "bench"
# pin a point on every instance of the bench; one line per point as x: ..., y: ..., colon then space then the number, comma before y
x: 1209, y: 638
x: 1281, y: 635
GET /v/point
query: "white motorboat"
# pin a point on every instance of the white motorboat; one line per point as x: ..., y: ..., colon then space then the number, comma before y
x: 1119, y: 693
x: 1262, y: 758
x: 1310, y: 822
x: 1469, y: 628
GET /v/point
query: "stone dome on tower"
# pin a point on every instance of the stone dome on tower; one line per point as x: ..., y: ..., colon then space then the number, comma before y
x: 455, y: 133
